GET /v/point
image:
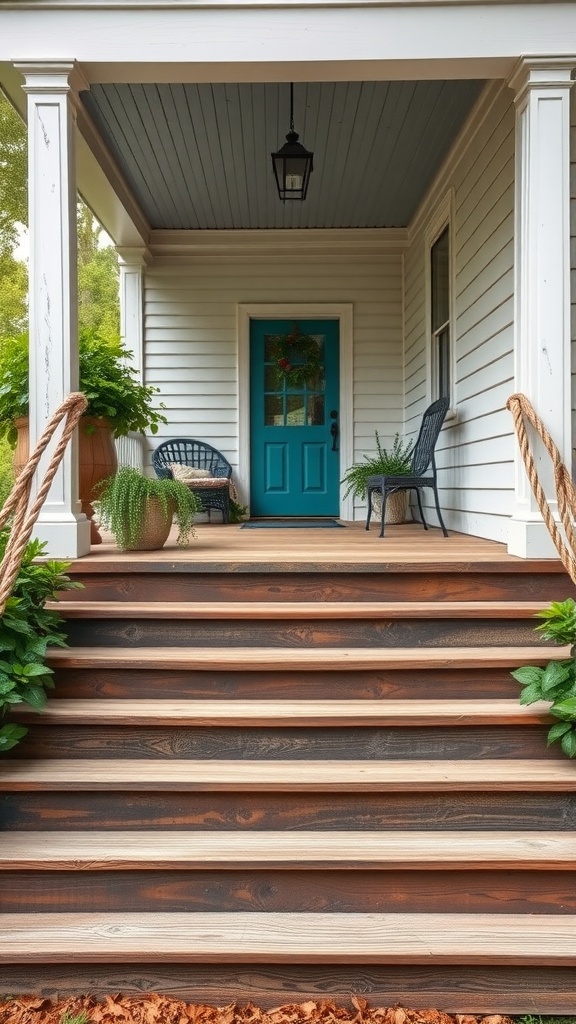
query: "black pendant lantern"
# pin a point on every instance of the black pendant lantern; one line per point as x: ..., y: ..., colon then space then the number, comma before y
x: 292, y: 164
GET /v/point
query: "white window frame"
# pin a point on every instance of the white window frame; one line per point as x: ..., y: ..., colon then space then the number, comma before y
x: 442, y: 219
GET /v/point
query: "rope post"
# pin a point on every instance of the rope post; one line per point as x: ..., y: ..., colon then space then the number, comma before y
x: 16, y: 506
x: 522, y: 411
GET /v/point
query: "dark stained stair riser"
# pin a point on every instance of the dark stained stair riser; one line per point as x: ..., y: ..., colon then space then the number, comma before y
x: 376, y: 584
x: 230, y: 743
x: 61, y: 811
x: 431, y: 632
x: 463, y: 989
x: 497, y: 892
x: 369, y: 684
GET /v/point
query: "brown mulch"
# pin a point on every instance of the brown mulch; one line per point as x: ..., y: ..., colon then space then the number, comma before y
x: 158, y: 1009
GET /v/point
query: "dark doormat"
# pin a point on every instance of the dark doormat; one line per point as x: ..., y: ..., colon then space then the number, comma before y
x: 291, y: 524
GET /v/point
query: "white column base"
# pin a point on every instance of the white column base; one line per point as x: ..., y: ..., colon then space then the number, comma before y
x: 66, y: 536
x: 530, y: 539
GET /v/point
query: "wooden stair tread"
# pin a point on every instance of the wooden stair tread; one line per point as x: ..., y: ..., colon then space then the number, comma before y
x: 289, y: 937
x: 318, y: 659
x: 287, y: 712
x: 72, y: 609
x: 396, y: 850
x: 290, y: 776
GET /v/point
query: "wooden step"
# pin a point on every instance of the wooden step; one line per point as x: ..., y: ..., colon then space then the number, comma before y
x: 291, y: 776
x: 319, y: 659
x: 303, y: 713
x: 191, y: 610
x: 303, y: 851
x: 504, y: 939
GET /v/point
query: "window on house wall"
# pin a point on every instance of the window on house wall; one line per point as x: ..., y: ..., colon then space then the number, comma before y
x: 441, y: 331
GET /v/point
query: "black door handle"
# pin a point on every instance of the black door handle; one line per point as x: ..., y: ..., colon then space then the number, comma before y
x: 334, y: 431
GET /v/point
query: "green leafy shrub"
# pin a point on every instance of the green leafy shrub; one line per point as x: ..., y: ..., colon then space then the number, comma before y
x: 237, y: 512
x: 394, y: 462
x: 106, y: 378
x: 557, y: 681
x: 122, y: 501
x: 27, y: 628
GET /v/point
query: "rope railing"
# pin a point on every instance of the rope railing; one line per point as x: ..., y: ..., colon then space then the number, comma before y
x: 16, y: 506
x: 522, y: 411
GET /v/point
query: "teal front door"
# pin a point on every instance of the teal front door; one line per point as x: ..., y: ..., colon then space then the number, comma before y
x: 294, y: 418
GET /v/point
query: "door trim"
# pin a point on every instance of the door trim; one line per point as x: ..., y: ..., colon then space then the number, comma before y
x: 343, y: 312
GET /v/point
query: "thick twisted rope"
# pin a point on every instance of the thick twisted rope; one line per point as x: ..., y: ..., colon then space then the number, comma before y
x: 16, y: 505
x: 522, y: 410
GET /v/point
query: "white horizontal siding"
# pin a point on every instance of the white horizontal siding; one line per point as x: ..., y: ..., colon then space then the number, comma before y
x: 476, y: 450
x: 191, y: 339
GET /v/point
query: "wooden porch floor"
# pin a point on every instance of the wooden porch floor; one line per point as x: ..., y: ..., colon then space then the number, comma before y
x: 218, y: 545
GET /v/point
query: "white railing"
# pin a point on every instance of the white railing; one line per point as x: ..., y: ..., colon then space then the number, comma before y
x: 130, y: 450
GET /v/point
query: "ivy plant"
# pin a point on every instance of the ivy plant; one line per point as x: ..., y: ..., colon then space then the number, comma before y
x: 556, y: 682
x: 27, y: 629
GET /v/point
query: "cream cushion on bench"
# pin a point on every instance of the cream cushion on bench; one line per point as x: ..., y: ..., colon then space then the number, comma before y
x: 188, y: 474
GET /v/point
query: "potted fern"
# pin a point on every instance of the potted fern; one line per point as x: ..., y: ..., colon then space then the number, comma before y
x: 139, y: 510
x: 396, y: 461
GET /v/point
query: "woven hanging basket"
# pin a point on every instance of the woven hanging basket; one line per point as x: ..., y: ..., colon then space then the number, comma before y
x: 396, y: 507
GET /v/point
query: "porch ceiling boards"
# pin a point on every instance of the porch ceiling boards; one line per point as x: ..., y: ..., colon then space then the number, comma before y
x: 198, y: 156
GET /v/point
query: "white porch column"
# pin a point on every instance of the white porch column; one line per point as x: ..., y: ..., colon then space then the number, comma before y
x: 53, y: 303
x: 132, y: 262
x: 542, y: 278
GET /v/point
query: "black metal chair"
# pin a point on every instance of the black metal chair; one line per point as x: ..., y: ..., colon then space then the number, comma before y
x: 187, y: 451
x: 423, y: 469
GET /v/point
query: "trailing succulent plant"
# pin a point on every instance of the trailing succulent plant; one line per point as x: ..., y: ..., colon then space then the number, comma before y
x: 27, y: 629
x: 123, y: 499
x: 557, y: 681
x: 395, y: 461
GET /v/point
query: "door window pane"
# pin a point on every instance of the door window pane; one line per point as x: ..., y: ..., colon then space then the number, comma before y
x: 315, y: 411
x: 273, y: 411
x: 295, y: 416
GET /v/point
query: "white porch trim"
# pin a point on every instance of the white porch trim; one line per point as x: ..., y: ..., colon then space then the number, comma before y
x: 297, y: 311
x: 53, y: 301
x: 542, y: 279
x: 132, y: 263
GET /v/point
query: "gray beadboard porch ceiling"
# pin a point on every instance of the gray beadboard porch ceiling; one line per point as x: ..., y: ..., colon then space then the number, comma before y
x: 198, y: 156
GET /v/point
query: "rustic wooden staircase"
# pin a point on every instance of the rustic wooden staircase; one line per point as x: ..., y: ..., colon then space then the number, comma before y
x: 273, y: 784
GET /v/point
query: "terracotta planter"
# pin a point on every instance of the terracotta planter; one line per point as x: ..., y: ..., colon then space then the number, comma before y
x: 96, y: 456
x: 155, y: 528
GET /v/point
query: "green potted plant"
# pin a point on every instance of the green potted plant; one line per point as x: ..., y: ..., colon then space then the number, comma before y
x: 396, y: 461
x: 139, y: 510
x: 27, y: 629
x: 117, y: 404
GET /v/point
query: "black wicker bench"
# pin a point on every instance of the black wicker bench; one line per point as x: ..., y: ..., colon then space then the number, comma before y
x: 214, y: 490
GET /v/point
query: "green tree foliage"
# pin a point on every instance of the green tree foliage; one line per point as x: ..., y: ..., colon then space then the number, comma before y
x: 98, y: 304
x: 13, y: 176
x: 13, y: 200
